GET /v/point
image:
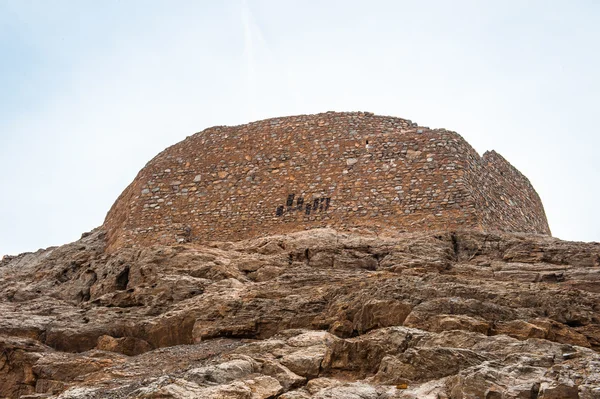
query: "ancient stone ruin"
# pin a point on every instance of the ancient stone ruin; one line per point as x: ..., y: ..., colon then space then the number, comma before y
x: 341, y: 170
x: 203, y: 283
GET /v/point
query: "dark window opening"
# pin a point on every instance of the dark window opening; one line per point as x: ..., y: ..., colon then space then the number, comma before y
x: 290, y: 200
x: 315, y: 204
x: 279, y: 211
x: 327, y: 201
x: 366, y: 141
x: 299, y: 203
x: 308, y: 209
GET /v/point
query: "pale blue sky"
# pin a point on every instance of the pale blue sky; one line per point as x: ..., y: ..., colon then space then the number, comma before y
x: 92, y: 90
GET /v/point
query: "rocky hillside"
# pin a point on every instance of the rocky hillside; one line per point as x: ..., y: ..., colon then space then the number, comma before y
x: 316, y: 314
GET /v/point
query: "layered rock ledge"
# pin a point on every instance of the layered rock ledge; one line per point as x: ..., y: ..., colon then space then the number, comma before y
x: 315, y: 314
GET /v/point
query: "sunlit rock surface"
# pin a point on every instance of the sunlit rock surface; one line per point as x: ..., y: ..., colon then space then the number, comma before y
x: 315, y: 314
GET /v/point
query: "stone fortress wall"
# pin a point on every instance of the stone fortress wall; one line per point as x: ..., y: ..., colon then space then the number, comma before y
x: 340, y: 170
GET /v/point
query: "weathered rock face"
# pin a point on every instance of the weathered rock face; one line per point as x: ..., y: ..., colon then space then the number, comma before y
x: 316, y: 314
x: 341, y: 170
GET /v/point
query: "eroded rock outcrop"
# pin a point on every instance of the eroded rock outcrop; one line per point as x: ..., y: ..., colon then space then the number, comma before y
x: 315, y: 314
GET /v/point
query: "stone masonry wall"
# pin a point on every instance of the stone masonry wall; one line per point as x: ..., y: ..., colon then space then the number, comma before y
x: 342, y: 170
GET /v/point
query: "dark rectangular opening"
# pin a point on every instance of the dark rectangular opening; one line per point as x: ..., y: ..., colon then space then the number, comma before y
x: 290, y: 200
x: 279, y: 211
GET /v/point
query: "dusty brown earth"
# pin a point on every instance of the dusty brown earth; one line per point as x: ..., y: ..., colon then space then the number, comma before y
x: 315, y: 314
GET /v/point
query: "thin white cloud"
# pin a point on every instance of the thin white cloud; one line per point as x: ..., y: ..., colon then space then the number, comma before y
x: 251, y: 83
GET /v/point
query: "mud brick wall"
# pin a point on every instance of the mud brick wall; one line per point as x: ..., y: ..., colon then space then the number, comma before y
x: 342, y: 170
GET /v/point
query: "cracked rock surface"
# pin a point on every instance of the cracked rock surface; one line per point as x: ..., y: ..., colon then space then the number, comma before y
x: 311, y: 315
